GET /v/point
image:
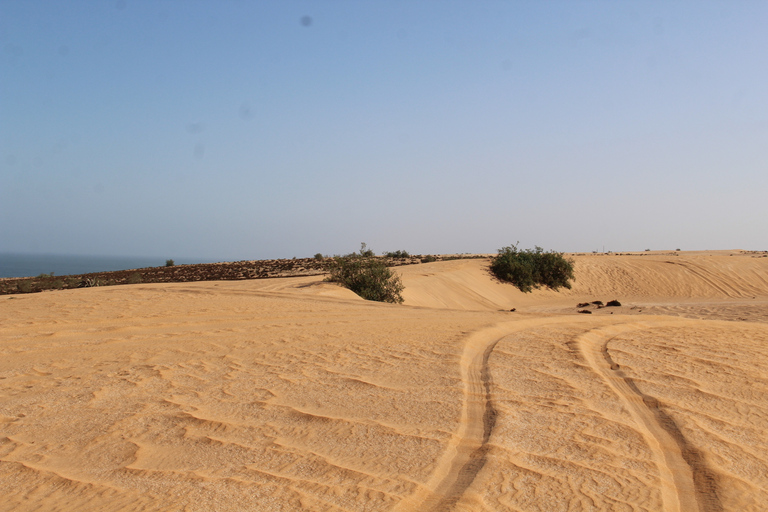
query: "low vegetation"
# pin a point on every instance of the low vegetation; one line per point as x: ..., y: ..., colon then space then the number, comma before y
x: 165, y: 274
x: 397, y: 254
x: 364, y: 251
x: 319, y: 264
x: 532, y: 268
x: 367, y: 276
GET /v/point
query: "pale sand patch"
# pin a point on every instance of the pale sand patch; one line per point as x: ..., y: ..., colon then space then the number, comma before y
x: 291, y: 394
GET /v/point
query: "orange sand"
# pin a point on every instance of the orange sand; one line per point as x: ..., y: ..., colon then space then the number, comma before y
x: 294, y: 394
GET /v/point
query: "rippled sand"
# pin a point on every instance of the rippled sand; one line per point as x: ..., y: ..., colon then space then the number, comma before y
x: 293, y: 394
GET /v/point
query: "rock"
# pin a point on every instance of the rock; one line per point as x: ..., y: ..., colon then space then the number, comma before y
x: 582, y: 304
x: 613, y: 303
x: 585, y: 311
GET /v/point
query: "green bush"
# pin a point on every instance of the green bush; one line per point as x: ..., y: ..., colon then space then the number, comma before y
x: 367, y: 276
x: 531, y: 269
x: 169, y: 263
x: 397, y: 254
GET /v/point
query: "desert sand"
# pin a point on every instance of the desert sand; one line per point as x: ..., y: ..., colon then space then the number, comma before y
x: 295, y: 394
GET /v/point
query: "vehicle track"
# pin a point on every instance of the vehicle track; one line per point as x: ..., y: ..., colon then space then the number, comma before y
x: 687, y: 485
x: 715, y: 281
x: 467, y: 451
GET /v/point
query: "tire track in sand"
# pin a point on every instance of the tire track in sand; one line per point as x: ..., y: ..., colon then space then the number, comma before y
x: 466, y: 453
x: 687, y: 485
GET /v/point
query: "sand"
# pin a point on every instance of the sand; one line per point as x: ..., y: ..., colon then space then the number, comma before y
x: 294, y: 394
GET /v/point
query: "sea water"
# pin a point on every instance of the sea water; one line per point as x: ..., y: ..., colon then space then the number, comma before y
x: 27, y: 265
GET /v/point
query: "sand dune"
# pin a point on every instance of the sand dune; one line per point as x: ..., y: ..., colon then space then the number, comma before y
x: 295, y: 394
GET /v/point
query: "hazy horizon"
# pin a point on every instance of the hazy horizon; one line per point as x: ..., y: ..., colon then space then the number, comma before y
x: 231, y: 131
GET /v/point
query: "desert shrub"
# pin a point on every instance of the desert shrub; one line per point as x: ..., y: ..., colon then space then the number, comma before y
x: 134, y: 278
x: 169, y: 263
x: 464, y: 256
x: 531, y: 269
x: 319, y: 257
x: 397, y: 254
x: 26, y: 286
x: 367, y: 276
x: 428, y: 259
x: 91, y: 282
x: 364, y: 251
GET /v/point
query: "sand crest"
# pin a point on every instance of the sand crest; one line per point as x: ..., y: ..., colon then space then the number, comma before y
x: 294, y: 394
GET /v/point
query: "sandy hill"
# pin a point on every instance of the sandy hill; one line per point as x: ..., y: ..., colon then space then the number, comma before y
x: 294, y: 394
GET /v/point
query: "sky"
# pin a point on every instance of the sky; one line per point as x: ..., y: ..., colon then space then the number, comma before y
x: 239, y: 130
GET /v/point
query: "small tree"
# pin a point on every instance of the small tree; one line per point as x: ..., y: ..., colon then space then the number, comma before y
x: 531, y: 269
x: 364, y: 251
x: 367, y: 276
x: 169, y: 263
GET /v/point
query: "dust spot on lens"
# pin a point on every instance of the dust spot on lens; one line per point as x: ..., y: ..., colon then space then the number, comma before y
x: 306, y: 21
x: 194, y: 127
x: 245, y: 112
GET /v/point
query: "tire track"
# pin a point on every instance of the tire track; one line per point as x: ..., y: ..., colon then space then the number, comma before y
x: 467, y: 451
x: 687, y: 485
x: 477, y: 459
x: 713, y: 280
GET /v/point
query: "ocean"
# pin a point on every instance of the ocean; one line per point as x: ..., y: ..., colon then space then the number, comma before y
x: 27, y: 265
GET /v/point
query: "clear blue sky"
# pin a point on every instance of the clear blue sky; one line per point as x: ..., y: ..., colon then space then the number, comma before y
x: 240, y: 129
